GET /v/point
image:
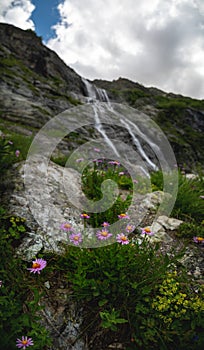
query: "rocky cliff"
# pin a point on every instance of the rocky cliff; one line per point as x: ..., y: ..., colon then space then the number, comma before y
x: 36, y: 85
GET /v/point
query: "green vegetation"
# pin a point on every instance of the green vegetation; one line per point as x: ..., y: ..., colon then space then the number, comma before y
x: 20, y: 293
x: 123, y: 289
x: 132, y: 293
x: 178, y: 103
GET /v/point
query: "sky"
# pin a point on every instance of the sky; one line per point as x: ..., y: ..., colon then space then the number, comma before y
x: 156, y: 43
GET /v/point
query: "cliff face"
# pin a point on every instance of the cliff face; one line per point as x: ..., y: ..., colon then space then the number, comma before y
x: 36, y: 85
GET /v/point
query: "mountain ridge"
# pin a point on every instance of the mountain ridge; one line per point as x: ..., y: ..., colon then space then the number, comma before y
x: 36, y: 85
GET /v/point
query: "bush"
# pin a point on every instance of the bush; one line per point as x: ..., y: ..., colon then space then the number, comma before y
x: 125, y: 291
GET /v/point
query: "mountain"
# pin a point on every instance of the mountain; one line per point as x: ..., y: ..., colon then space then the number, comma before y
x: 36, y: 85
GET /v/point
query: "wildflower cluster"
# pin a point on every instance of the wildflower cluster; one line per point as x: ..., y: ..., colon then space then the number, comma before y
x: 172, y: 303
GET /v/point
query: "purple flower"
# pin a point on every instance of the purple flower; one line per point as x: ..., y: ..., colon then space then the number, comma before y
x: 38, y: 265
x: 24, y: 342
x: 130, y: 228
x: 1, y: 282
x: 10, y: 142
x: 17, y: 153
x: 84, y: 216
x: 97, y: 160
x: 114, y: 162
x: 97, y: 150
x: 135, y: 181
x: 75, y: 238
x: 79, y: 160
x: 123, y: 239
x: 123, y: 216
x: 199, y: 240
x: 105, y: 224
x: 66, y: 226
x: 103, y: 234
x: 147, y: 231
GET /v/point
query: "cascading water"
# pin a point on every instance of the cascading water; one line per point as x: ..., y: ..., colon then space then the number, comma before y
x: 137, y: 143
x: 93, y: 92
x: 95, y: 95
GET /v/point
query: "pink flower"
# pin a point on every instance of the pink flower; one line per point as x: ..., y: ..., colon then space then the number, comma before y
x: 123, y: 216
x: 105, y: 224
x: 97, y: 150
x: 202, y: 197
x: 199, y: 240
x: 1, y: 282
x: 84, y: 216
x: 24, y: 342
x: 10, y: 142
x: 79, y: 160
x: 97, y: 160
x: 103, y: 234
x: 66, y: 226
x: 75, y: 238
x: 147, y: 231
x: 130, y: 228
x: 135, y: 181
x: 17, y: 153
x: 121, y: 238
x: 114, y: 162
x: 121, y: 173
x: 38, y: 265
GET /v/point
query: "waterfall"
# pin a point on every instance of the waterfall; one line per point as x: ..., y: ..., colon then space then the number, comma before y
x: 96, y: 94
x: 93, y: 92
x: 137, y: 143
x: 90, y: 89
x: 100, y: 129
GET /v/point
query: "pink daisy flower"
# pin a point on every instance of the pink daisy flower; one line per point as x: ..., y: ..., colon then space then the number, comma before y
x: 135, y: 181
x: 75, y: 238
x: 17, y: 153
x: 103, y: 234
x: 24, y: 342
x: 84, y: 216
x: 130, y: 228
x: 147, y: 231
x: 105, y: 224
x: 66, y: 226
x: 199, y: 240
x: 114, y: 162
x: 38, y: 265
x: 123, y: 216
x: 121, y: 238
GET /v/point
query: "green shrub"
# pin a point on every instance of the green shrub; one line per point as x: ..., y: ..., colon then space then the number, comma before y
x: 123, y: 289
x: 189, y: 205
x: 190, y: 230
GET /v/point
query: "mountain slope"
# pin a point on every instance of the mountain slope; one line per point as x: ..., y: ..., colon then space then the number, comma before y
x: 36, y: 85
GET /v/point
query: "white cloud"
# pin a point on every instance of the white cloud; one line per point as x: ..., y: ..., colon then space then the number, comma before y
x: 155, y: 42
x: 17, y: 12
